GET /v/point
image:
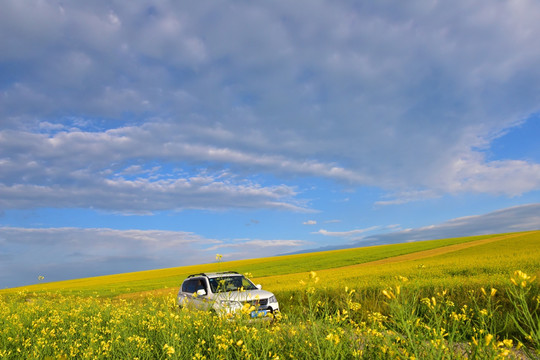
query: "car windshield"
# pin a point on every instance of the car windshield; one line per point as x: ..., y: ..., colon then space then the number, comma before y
x: 231, y: 283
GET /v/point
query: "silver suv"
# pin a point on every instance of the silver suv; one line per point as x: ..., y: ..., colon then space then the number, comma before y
x: 226, y: 293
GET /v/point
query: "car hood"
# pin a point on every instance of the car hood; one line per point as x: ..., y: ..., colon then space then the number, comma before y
x: 242, y: 296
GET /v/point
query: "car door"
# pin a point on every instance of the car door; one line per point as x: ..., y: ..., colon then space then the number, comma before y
x: 192, y: 298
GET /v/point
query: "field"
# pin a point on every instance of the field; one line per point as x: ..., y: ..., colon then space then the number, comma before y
x: 468, y: 298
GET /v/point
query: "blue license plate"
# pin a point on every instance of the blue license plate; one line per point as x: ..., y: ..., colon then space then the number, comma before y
x: 259, y: 313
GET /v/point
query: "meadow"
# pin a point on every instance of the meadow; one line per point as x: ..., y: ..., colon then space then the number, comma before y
x: 468, y: 298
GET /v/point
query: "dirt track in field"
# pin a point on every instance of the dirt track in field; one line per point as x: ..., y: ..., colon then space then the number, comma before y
x: 433, y: 252
x: 284, y: 279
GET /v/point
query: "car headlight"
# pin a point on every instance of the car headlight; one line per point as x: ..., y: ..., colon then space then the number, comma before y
x: 272, y: 299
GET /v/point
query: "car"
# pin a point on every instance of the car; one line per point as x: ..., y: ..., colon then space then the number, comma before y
x: 226, y: 293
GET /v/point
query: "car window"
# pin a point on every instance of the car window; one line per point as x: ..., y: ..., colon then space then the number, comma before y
x: 230, y: 283
x: 191, y: 286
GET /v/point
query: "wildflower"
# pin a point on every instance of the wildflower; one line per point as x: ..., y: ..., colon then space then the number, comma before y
x: 488, y: 339
x: 41, y: 277
x: 169, y: 350
x: 483, y: 291
x: 389, y: 294
x: 402, y: 278
x: 521, y: 279
x: 239, y: 342
x: 219, y: 257
x: 357, y: 353
x: 354, y: 306
x: 333, y: 338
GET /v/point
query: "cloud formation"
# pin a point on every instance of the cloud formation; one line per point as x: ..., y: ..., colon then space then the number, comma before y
x: 405, y: 97
x: 165, y: 106
x: 346, y: 234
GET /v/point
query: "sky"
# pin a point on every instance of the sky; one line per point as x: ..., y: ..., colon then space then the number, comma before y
x: 155, y: 134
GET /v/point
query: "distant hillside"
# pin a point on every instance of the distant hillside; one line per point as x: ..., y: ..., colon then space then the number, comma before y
x: 281, y: 272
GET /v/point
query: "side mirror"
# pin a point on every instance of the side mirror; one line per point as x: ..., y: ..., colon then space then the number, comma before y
x: 201, y: 292
x: 259, y: 286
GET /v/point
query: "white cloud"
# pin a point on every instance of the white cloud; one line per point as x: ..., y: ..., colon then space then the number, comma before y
x: 40, y: 173
x: 310, y: 222
x: 248, y: 245
x: 407, y: 196
x: 405, y: 97
x: 349, y: 233
x: 145, y: 196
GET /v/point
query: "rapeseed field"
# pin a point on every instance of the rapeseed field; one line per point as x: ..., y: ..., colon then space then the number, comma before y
x: 113, y: 285
x: 477, y: 298
x: 49, y: 326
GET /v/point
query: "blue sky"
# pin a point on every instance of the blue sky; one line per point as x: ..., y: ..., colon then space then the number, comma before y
x: 156, y: 134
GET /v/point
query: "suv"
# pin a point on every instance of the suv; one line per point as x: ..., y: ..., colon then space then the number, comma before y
x: 226, y: 293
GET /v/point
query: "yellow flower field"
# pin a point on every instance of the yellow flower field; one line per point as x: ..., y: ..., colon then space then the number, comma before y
x: 474, y: 299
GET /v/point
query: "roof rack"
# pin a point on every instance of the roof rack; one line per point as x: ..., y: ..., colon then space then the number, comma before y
x: 221, y: 272
x: 193, y: 275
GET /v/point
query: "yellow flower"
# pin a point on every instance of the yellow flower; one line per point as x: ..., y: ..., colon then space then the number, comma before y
x: 333, y: 338
x: 239, y: 342
x: 219, y: 257
x: 488, y: 339
x: 169, y: 350
x: 521, y: 279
